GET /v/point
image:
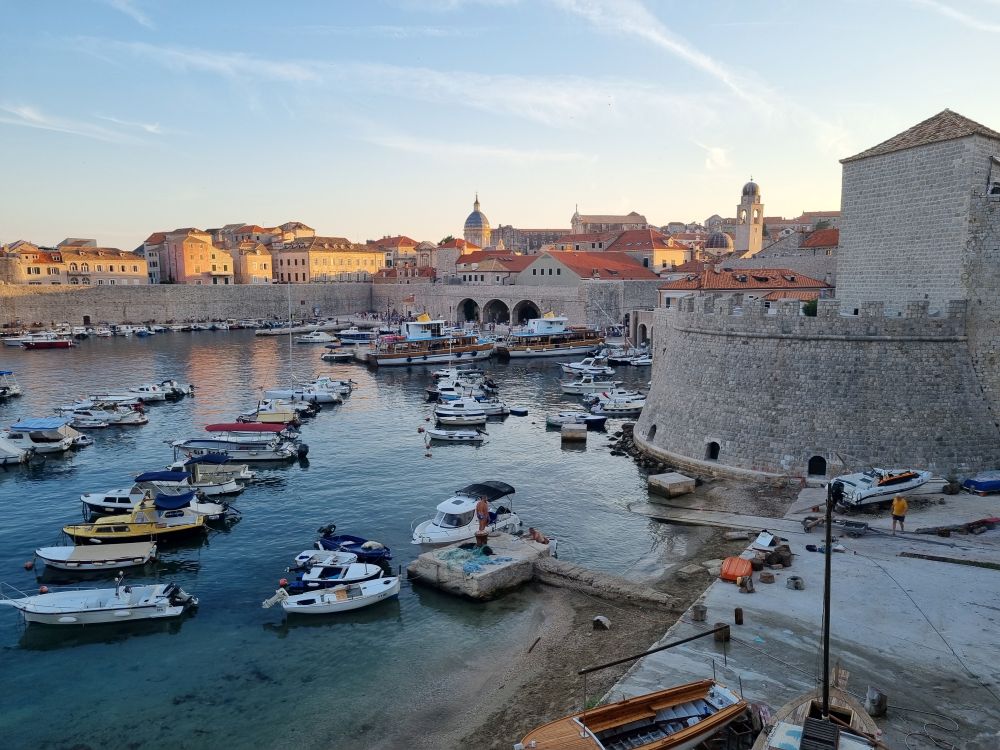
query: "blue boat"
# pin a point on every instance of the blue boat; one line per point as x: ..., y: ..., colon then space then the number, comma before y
x: 983, y: 483
x: 366, y: 550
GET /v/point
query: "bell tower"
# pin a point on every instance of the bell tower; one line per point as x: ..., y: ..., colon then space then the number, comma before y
x: 749, y: 234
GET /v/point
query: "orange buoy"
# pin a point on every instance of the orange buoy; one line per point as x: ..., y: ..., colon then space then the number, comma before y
x: 43, y: 589
x: 29, y: 565
x: 283, y: 582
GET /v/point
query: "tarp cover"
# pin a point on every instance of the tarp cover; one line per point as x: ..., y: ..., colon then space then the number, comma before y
x: 41, y: 423
x: 162, y: 476
x: 173, y: 502
x: 492, y: 490
x: 208, y: 458
x: 244, y: 427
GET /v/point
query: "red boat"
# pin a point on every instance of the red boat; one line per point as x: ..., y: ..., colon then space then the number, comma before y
x: 49, y: 344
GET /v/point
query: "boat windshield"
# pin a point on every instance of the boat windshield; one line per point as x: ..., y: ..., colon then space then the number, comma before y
x: 453, y: 520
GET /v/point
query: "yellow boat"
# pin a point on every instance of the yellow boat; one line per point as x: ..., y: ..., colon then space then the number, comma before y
x: 145, y: 522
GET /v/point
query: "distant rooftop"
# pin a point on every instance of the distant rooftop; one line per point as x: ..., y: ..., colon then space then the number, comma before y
x: 944, y: 126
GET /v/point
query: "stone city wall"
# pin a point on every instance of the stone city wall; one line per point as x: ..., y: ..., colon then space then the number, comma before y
x: 773, y: 391
x: 47, y: 306
x: 983, y: 281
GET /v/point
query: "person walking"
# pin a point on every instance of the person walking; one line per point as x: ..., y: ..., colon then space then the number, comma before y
x: 899, y: 508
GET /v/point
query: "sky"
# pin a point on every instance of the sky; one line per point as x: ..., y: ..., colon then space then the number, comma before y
x: 363, y: 119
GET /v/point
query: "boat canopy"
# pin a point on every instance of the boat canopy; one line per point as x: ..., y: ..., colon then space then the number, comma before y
x: 457, y: 505
x: 173, y: 502
x: 492, y: 490
x: 208, y: 458
x: 41, y: 423
x: 162, y: 476
x: 244, y: 427
x: 6, y: 372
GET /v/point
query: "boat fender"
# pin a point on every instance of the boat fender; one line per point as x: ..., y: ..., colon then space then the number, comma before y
x: 283, y: 582
x: 43, y: 589
x: 425, y: 356
x: 409, y: 359
x: 29, y: 565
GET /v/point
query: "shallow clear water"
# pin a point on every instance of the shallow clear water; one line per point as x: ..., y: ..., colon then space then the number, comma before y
x: 234, y: 673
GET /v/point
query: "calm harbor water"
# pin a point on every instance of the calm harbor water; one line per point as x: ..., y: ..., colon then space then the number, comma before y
x: 234, y: 674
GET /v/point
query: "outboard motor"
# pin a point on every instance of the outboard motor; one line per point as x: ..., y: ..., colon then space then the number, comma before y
x: 303, y: 450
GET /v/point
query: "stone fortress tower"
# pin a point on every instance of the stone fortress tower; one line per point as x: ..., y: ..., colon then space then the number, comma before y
x: 902, y: 369
x: 749, y: 235
x: 477, y: 226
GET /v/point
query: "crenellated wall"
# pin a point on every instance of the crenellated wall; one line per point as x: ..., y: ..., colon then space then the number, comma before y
x: 774, y: 390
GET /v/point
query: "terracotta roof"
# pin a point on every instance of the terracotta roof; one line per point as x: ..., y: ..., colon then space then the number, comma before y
x: 460, y: 244
x: 689, y: 236
x: 802, y: 296
x: 944, y: 126
x: 691, y: 266
x: 510, y: 261
x: 252, y: 228
x: 613, y: 265
x: 823, y: 238
x: 156, y: 238
x: 398, y: 241
x: 568, y: 239
x: 641, y: 239
x: 737, y: 279
x: 820, y: 214
x: 629, y: 218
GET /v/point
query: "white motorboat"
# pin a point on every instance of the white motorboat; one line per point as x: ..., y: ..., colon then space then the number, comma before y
x: 93, y: 606
x: 454, y: 373
x: 613, y: 394
x: 173, y: 482
x: 460, y: 412
x: 97, y: 556
x: 103, y: 332
x: 587, y: 384
x: 643, y: 360
x: 321, y: 576
x: 13, y: 454
x: 878, y: 485
x: 592, y: 421
x: 318, y: 556
x: 253, y: 441
x: 494, y: 407
x: 353, y: 335
x: 456, y: 517
x: 339, y: 355
x: 337, y: 599
x: 174, y: 389
x: 316, y: 337
x: 277, y: 411
x: 456, y: 436
x: 588, y: 366
x: 215, y: 466
x: 126, y: 500
x: 623, y: 355
x: 305, y: 393
x: 340, y: 387
x: 88, y: 422
x: 149, y: 392
x: 9, y: 385
x: 118, y: 399
x: 618, y: 409
x: 120, y: 416
x: 42, y: 435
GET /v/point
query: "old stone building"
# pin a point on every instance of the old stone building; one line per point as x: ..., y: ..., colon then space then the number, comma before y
x: 748, y: 237
x: 477, y: 227
x: 322, y: 259
x: 604, y: 223
x: 189, y: 257
x: 78, y: 263
x: 903, y: 369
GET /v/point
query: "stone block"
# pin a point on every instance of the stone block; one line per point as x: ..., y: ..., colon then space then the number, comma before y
x: 574, y: 433
x: 671, y: 484
x: 690, y: 571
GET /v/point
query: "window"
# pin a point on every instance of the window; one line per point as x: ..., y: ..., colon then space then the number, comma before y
x: 111, y: 281
x: 558, y: 272
x: 123, y: 269
x: 225, y: 266
x: 100, y: 267
x: 53, y: 271
x: 550, y: 272
x: 86, y: 281
x: 135, y: 269
x: 534, y: 271
x: 73, y: 267
x: 74, y: 281
x: 100, y: 281
x: 85, y: 267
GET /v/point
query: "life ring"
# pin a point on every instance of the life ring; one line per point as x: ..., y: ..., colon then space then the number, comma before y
x: 461, y: 353
x: 425, y: 356
x: 409, y: 359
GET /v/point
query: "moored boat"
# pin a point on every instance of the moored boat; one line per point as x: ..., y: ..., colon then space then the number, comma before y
x: 215, y: 466
x: 588, y: 366
x: 145, y: 522
x: 94, y: 606
x: 456, y: 520
x: 353, y: 335
x: 13, y: 454
x: 983, y: 483
x: 366, y: 550
x: 42, y: 434
x: 549, y: 336
x: 9, y: 385
x: 584, y: 384
x: 425, y: 342
x: 316, y: 337
x: 456, y: 436
x: 327, y: 574
x: 57, y: 342
x: 92, y: 557
x: 592, y: 421
x: 618, y: 409
x: 149, y: 392
x: 678, y: 718
x: 338, y: 599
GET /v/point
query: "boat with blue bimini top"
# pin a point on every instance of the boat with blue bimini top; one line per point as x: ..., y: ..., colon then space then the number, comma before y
x: 549, y: 336
x: 426, y: 342
x: 43, y: 435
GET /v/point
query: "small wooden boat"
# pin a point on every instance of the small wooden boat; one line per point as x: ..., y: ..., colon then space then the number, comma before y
x: 678, y: 718
x: 848, y: 718
x: 593, y: 421
x: 367, y: 551
x: 456, y: 436
x: 97, y: 556
x: 338, y: 599
x: 145, y: 522
x: 323, y: 576
x: 94, y: 606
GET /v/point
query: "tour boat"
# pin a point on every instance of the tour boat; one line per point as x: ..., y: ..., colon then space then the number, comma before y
x: 584, y: 384
x: 592, y: 421
x: 353, y: 335
x: 214, y: 466
x: 13, y: 454
x: 94, y: 606
x: 549, y: 336
x: 460, y: 412
x: 9, y: 385
x: 316, y: 337
x: 337, y: 599
x: 56, y: 342
x: 456, y: 436
x: 878, y: 485
x: 984, y: 483
x: 42, y: 434
x: 365, y: 550
x: 425, y: 342
x: 145, y: 522
x: 324, y: 576
x: 91, y: 557
x: 456, y: 517
x: 678, y: 718
x: 149, y: 392
x: 174, y: 482
x: 588, y: 366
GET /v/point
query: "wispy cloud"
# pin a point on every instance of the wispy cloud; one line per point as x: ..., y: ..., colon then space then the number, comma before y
x: 153, y: 128
x: 716, y: 157
x: 26, y: 116
x: 966, y: 19
x: 128, y: 7
x: 453, y: 150
x: 446, y: 5
x: 389, y: 32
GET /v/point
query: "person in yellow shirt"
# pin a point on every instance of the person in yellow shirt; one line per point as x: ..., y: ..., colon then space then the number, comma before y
x: 899, y: 508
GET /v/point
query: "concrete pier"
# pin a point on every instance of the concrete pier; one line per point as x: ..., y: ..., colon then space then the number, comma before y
x: 671, y: 484
x: 474, y: 576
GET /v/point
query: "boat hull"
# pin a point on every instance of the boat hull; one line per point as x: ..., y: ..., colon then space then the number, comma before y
x: 48, y: 344
x: 404, y: 359
x: 333, y: 601
x: 516, y: 352
x: 96, y: 557
x: 428, y: 534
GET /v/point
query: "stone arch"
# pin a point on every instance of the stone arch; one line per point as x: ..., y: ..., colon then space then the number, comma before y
x: 468, y: 310
x: 756, y: 216
x: 525, y: 310
x: 743, y: 216
x: 816, y: 466
x: 712, y: 449
x: 496, y: 311
x: 642, y: 334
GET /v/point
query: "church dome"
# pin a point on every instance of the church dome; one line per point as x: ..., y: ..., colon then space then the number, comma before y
x: 751, y: 189
x: 477, y: 221
x: 719, y: 241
